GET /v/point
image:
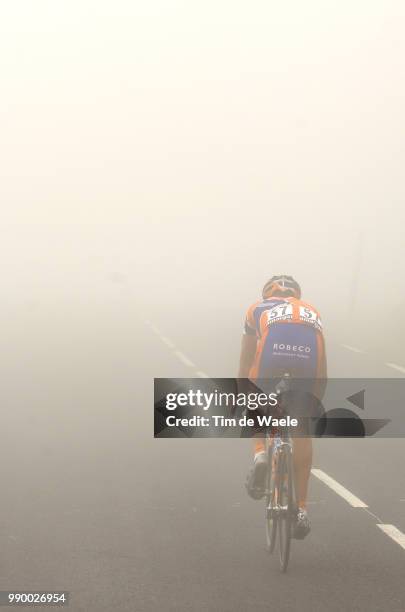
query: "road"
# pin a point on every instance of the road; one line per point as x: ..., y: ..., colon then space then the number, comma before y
x: 92, y: 504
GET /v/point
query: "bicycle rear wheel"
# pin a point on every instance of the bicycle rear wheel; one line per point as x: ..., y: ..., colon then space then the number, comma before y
x: 270, y: 499
x: 286, y: 504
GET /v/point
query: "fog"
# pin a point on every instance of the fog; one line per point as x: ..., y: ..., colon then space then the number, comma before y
x: 159, y: 161
x: 156, y: 152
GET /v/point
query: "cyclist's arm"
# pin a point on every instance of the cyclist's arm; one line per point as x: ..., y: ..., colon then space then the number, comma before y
x: 249, y: 344
x: 248, y: 351
x: 323, y: 372
x: 247, y: 355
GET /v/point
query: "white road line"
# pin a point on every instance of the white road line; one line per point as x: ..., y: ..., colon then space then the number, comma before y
x: 352, y: 348
x: 184, y: 359
x: 395, y: 367
x: 167, y: 341
x: 339, y: 489
x: 153, y: 328
x: 394, y: 533
x: 201, y: 374
x: 179, y: 354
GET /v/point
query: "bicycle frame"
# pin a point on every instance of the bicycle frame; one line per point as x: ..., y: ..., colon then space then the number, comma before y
x: 276, y: 445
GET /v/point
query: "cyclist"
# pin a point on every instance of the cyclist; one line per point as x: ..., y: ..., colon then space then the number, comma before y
x: 284, y: 334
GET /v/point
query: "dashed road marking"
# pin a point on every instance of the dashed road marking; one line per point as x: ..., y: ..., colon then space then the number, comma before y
x: 395, y: 366
x: 179, y: 354
x: 201, y: 374
x: 389, y: 364
x: 394, y: 533
x: 167, y: 341
x: 352, y: 348
x: 184, y: 359
x: 351, y: 499
x: 153, y: 328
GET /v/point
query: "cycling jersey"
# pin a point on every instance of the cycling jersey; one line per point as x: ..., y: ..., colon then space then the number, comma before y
x: 289, y: 338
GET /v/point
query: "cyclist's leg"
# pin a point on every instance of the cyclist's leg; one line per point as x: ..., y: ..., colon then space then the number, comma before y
x: 306, y: 407
x: 302, y: 457
x: 258, y: 446
x: 256, y: 478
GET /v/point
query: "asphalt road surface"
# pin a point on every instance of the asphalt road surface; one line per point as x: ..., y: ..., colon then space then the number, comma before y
x: 93, y: 505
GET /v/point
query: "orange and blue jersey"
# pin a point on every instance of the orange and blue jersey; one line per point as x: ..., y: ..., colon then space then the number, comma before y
x: 289, y: 338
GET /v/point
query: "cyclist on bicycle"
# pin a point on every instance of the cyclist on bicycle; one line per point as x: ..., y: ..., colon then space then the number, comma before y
x: 283, y: 334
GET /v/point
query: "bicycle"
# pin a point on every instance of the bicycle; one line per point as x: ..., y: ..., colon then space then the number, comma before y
x: 280, y: 498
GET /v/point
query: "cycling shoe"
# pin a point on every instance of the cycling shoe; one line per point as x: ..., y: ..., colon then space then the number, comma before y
x: 256, y: 479
x: 302, y: 525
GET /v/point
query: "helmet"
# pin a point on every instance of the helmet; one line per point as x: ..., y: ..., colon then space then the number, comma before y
x: 281, y: 285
